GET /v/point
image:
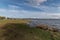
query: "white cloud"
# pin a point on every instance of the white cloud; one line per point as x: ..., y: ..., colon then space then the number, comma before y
x: 27, y: 14
x: 13, y: 7
x: 40, y: 1
x: 36, y: 2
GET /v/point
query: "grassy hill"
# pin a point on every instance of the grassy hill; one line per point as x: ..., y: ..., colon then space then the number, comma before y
x: 18, y: 30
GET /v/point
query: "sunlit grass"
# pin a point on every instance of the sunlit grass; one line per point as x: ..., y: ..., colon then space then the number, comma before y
x: 5, y: 21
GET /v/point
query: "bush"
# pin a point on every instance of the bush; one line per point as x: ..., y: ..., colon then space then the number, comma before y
x: 2, y: 17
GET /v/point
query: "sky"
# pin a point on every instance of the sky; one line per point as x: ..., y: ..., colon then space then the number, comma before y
x: 30, y: 8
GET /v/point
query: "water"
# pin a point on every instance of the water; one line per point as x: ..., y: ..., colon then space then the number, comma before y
x: 50, y: 22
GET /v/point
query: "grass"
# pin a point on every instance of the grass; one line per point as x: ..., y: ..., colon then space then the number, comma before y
x: 18, y: 30
x: 6, y: 21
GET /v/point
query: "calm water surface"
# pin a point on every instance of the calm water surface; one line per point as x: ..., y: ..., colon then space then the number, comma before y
x: 50, y: 22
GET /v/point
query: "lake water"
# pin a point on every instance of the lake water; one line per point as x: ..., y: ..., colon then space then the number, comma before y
x: 50, y: 22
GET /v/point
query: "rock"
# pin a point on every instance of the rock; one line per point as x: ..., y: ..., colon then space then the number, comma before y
x: 42, y: 26
x: 53, y: 29
x: 46, y: 27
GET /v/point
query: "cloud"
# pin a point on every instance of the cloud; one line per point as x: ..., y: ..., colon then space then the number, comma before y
x: 35, y: 2
x: 13, y: 7
x: 31, y: 9
x: 28, y: 14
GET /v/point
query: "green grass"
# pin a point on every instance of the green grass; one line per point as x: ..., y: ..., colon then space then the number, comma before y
x: 18, y: 30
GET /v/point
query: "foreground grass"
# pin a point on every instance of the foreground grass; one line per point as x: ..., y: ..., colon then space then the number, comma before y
x: 18, y: 30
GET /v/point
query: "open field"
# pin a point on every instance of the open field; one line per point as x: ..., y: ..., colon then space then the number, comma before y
x: 6, y: 21
x: 18, y: 30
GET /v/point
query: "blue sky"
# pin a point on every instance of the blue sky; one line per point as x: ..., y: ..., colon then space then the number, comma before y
x: 30, y: 8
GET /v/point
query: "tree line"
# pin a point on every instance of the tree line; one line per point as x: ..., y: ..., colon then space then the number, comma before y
x: 1, y: 17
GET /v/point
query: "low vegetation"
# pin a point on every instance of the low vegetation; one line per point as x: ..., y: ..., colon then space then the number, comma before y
x: 1, y: 17
x: 19, y: 30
